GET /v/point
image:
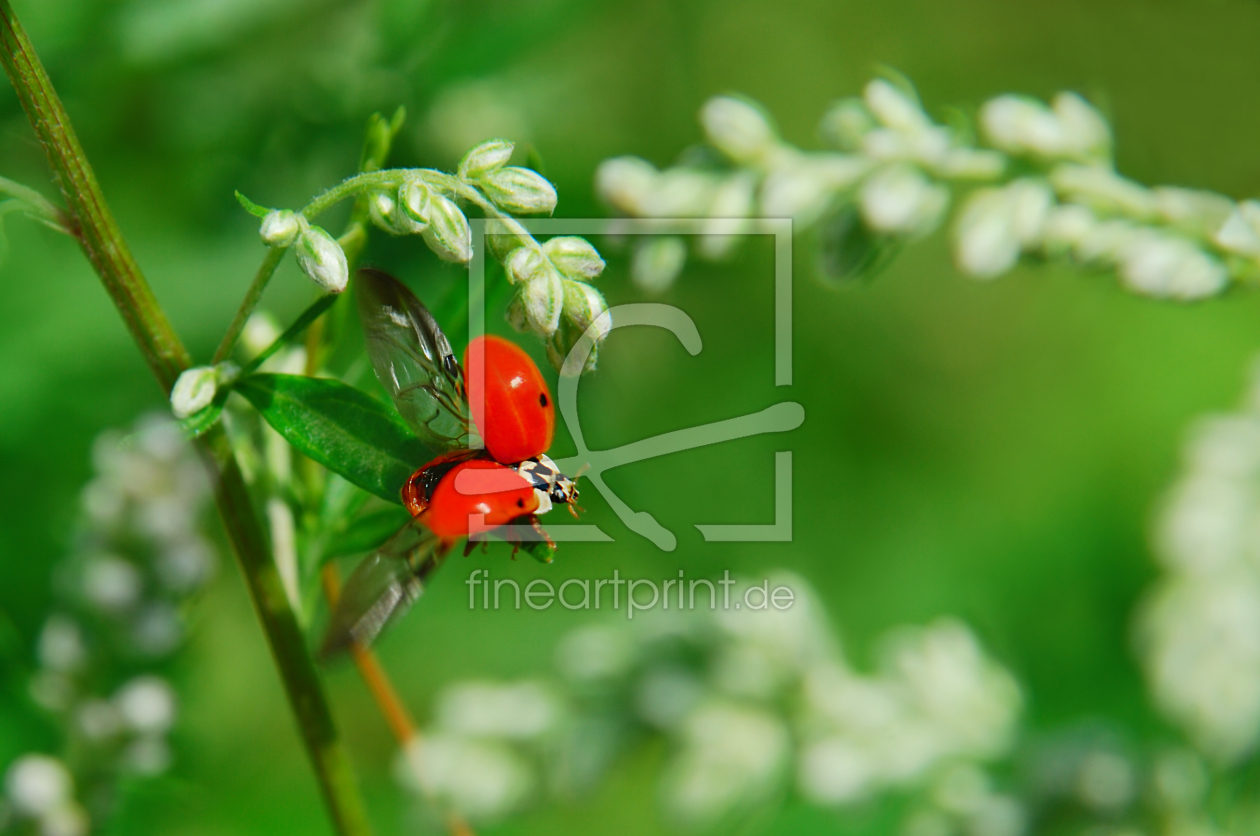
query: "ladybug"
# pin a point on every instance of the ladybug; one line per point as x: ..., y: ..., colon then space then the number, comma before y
x: 464, y: 490
x: 513, y: 413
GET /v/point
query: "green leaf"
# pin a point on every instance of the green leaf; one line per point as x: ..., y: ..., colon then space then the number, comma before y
x: 368, y: 532
x: 341, y: 428
x: 251, y: 207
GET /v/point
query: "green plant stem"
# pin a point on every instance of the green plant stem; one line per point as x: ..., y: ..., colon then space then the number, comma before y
x: 93, y: 225
x: 265, y: 271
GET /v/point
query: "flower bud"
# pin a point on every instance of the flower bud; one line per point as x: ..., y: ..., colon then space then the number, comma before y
x: 1100, y: 188
x: 484, y: 158
x: 657, y: 262
x: 384, y: 211
x: 802, y: 188
x: 901, y: 200
x: 413, y: 198
x: 985, y: 244
x: 626, y: 184
x: 519, y: 190
x: 193, y: 391
x: 525, y: 264
x: 1019, y: 124
x: 448, y: 234
x: 1030, y: 204
x: 845, y: 123
x: 1238, y: 233
x: 894, y: 107
x: 1105, y: 242
x: 737, y: 128
x: 574, y: 257
x: 1085, y: 133
x: 1065, y: 227
x: 542, y: 301
x: 584, y: 306
x: 320, y: 257
x: 1193, y: 211
x: 281, y: 227
x: 1162, y: 265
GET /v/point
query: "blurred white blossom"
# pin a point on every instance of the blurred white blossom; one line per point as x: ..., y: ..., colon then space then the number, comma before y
x: 139, y: 552
x: 1049, y: 188
x: 1200, y: 627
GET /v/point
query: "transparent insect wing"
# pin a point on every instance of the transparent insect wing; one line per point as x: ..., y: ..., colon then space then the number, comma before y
x: 413, y: 361
x: 381, y: 588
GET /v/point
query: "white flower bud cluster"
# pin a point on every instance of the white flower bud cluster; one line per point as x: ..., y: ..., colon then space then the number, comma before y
x: 893, y: 167
x: 319, y: 255
x: 139, y: 556
x: 554, y: 298
x: 749, y: 702
x: 1200, y: 628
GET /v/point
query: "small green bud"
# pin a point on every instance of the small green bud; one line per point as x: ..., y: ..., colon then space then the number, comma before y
x: 519, y: 190
x: 895, y: 108
x: 542, y: 302
x: 194, y: 390
x: 574, y: 257
x: 384, y: 211
x: 413, y: 198
x: 448, y: 234
x: 657, y: 262
x: 737, y: 128
x: 524, y: 265
x: 320, y: 257
x: 626, y: 184
x: 485, y: 158
x: 281, y: 227
x: 845, y: 124
x: 584, y: 306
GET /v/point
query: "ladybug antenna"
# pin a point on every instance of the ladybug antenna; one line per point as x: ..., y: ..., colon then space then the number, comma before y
x: 581, y: 470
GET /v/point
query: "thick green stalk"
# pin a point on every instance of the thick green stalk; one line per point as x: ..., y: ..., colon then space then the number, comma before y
x: 92, y: 223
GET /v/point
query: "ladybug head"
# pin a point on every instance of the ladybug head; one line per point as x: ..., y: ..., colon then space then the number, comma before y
x: 564, y: 491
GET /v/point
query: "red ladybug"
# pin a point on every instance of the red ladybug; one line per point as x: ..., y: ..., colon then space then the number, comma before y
x: 462, y: 491
x: 469, y: 497
x: 514, y: 414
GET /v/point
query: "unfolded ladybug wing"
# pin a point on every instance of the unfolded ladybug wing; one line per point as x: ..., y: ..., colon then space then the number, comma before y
x: 413, y: 361
x: 382, y: 588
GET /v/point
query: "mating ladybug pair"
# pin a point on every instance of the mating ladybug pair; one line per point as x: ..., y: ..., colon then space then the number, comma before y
x: 464, y: 491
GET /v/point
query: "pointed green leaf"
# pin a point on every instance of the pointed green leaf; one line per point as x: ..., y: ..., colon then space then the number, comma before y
x: 341, y: 428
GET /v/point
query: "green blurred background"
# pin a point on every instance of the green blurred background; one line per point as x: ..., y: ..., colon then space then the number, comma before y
x: 993, y: 452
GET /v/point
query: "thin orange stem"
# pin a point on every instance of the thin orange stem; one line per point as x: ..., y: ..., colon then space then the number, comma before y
x: 382, y: 690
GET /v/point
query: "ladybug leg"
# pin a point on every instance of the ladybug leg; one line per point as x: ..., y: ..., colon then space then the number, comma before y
x: 469, y: 545
x: 542, y: 532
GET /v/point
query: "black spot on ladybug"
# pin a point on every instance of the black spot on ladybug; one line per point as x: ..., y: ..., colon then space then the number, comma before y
x: 542, y: 399
x: 520, y: 503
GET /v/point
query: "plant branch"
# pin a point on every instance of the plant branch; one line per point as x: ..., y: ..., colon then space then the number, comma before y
x: 91, y: 222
